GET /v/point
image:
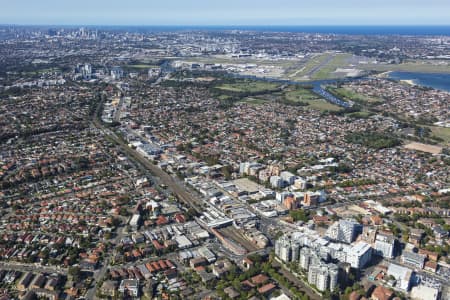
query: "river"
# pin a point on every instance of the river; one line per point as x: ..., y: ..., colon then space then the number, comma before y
x: 438, y: 81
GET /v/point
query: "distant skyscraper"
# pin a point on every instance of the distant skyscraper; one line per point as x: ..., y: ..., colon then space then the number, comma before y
x: 86, y: 71
x: 116, y: 73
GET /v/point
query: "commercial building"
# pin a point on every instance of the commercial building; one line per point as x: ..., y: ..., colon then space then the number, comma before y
x: 414, y: 259
x: 148, y: 150
x: 135, y: 221
x: 310, y: 200
x: 359, y: 255
x: 288, y: 177
x: 300, y: 183
x: 344, y: 231
x: 116, y: 73
x: 276, y: 182
x: 369, y: 235
x: 424, y: 292
x: 402, y: 276
x: 291, y: 203
x: 283, y: 195
x: 153, y: 72
x: 183, y: 242
x: 385, y: 245
x: 207, y: 254
x: 198, y: 261
x: 250, y: 168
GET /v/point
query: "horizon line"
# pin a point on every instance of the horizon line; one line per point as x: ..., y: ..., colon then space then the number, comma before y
x: 233, y: 25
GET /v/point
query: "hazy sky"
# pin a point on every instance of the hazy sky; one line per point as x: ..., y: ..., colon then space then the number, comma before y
x: 225, y: 12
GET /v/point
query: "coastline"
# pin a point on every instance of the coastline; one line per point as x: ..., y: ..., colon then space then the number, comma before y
x: 384, y: 74
x: 438, y: 81
x: 408, y: 81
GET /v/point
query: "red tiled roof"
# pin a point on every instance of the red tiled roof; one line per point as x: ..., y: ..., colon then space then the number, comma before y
x: 266, y: 288
x: 259, y: 279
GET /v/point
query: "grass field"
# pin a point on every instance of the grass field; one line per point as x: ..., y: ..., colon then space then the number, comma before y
x: 253, y: 101
x: 442, y: 132
x: 348, y: 94
x: 291, y: 95
x: 322, y: 105
x: 314, y: 102
x: 140, y: 66
x: 300, y: 94
x: 223, y: 97
x: 248, y: 87
x: 360, y: 114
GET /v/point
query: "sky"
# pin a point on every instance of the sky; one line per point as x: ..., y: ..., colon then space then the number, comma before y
x: 225, y: 12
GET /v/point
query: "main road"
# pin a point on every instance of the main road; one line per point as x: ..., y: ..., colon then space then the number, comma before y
x: 99, y: 274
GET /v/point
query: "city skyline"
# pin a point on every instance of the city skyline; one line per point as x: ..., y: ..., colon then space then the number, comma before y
x: 231, y: 13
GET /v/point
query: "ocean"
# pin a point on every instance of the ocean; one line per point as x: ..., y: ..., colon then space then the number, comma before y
x: 437, y: 81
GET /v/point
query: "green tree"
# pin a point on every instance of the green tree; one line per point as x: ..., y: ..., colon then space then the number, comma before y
x: 75, y: 272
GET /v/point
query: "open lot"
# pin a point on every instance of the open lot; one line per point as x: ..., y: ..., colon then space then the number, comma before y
x: 348, y: 94
x: 253, y: 101
x: 141, y: 66
x: 313, y: 101
x: 424, y: 148
x: 248, y: 87
x: 350, y: 211
x: 245, y: 184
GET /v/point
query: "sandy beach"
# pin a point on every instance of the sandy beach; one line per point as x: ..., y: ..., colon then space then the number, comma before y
x: 408, y: 81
